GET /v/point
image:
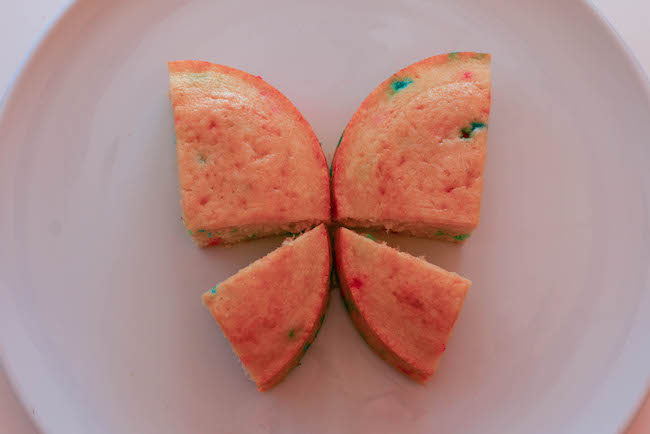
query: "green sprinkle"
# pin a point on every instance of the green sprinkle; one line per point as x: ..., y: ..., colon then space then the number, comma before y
x: 461, y: 237
x: 401, y: 84
x: 477, y: 125
x: 291, y: 333
x: 321, y: 319
x: 189, y: 232
x: 466, y: 132
x: 440, y: 233
x: 234, y: 230
x: 340, y: 139
x: 201, y: 230
x: 479, y: 56
x: 370, y: 236
x: 214, y: 289
x: 452, y: 55
x: 307, y: 345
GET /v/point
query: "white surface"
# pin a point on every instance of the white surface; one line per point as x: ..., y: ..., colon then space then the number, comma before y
x: 102, y: 286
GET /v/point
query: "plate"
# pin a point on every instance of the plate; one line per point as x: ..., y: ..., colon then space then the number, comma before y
x: 102, y: 329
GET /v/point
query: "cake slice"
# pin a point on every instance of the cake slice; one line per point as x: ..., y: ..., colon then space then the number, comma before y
x: 411, y: 159
x: 272, y: 310
x: 249, y: 164
x: 403, y: 306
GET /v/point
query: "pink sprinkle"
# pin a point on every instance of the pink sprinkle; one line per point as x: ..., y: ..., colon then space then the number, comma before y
x: 259, y: 76
x: 356, y: 283
x: 467, y: 75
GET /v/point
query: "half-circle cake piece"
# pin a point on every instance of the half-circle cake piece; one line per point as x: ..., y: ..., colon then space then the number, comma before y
x: 411, y: 159
x: 272, y: 310
x: 403, y: 306
x: 249, y: 164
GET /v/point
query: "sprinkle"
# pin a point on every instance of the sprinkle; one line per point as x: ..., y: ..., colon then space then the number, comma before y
x: 356, y: 283
x: 201, y: 230
x: 291, y: 333
x: 234, y: 230
x: 189, y: 232
x: 214, y: 289
x: 467, y: 75
x: 466, y: 132
x: 440, y: 233
x: 477, y: 125
x: 452, y: 55
x: 370, y: 236
x: 340, y: 139
x: 209, y: 234
x: 307, y: 345
x: 479, y: 56
x: 401, y: 84
x: 461, y: 237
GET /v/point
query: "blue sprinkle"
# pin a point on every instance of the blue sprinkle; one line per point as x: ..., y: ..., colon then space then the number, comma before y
x: 201, y: 230
x: 401, y: 84
x: 214, y: 290
x: 476, y: 125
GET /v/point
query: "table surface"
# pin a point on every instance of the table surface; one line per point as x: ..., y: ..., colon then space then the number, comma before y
x: 23, y: 23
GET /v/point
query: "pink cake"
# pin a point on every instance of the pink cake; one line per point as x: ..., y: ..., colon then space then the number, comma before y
x: 403, y: 306
x: 411, y: 159
x: 249, y: 164
x: 272, y: 310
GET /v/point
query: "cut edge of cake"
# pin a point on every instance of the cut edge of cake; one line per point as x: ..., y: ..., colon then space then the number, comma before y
x: 420, y: 230
x: 235, y: 234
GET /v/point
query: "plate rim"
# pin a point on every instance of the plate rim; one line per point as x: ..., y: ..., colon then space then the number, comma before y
x: 31, y: 56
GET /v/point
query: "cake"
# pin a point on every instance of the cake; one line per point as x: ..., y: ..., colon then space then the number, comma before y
x: 272, y: 310
x: 249, y: 164
x: 411, y: 159
x: 404, y: 307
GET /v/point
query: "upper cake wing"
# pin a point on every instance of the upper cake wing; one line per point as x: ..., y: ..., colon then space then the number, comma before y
x: 249, y: 163
x: 411, y: 159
